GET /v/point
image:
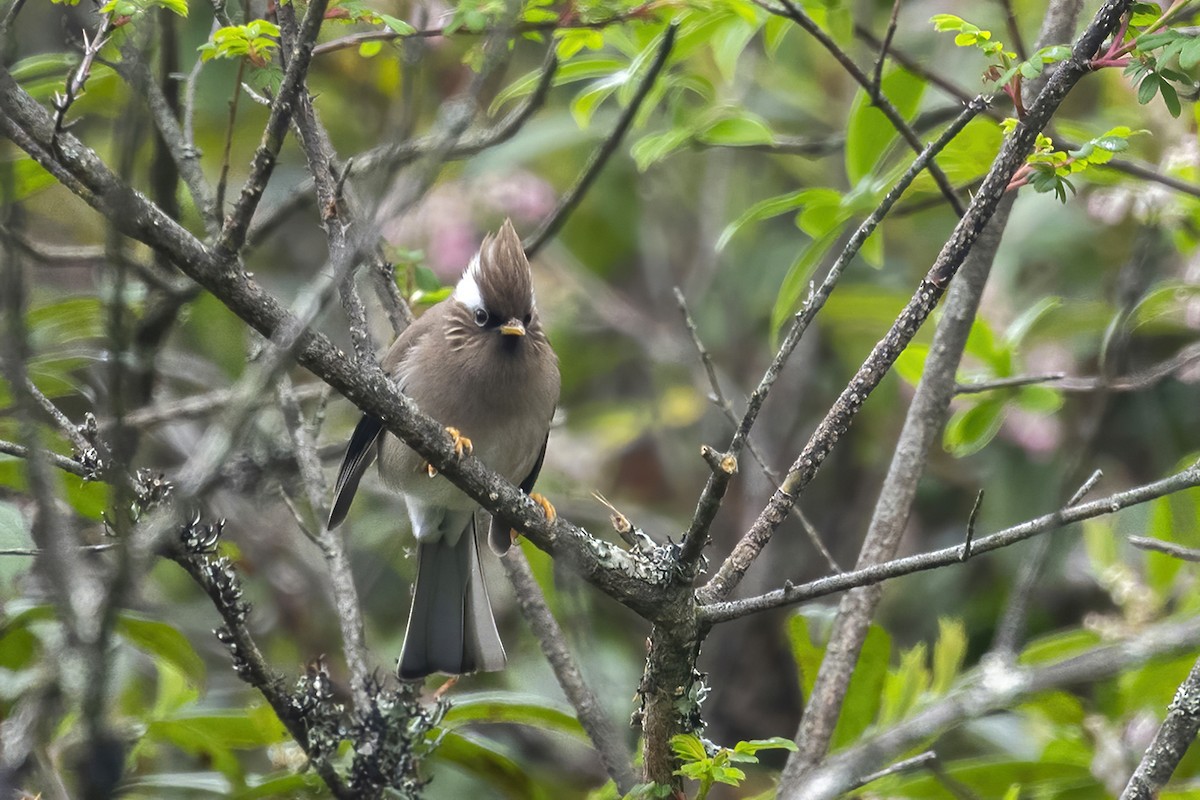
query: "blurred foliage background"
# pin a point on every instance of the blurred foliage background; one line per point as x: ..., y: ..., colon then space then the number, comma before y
x: 1102, y: 288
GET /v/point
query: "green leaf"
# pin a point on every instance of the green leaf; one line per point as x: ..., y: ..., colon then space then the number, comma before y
x: 864, y: 693
x: 499, y: 773
x: 176, y: 783
x: 584, y: 106
x: 868, y: 132
x: 910, y: 366
x: 162, y: 640
x: 774, y: 30
x: 905, y: 686
x: 286, y: 784
x: 1147, y: 89
x: 370, y: 49
x: 688, y: 748
x: 1058, y: 646
x: 970, y: 430
x: 1170, y: 98
x: 774, y: 743
x: 729, y: 43
x: 510, y: 708
x: 1019, y: 328
x: 948, y: 654
x: 745, y: 129
x: 651, y: 149
x: 581, y: 69
x: 795, y: 283
x: 805, y: 650
x: 1039, y: 399
x: 397, y: 26
x: 763, y: 209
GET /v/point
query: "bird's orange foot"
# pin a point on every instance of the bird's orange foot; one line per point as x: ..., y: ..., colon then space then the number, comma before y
x: 547, y: 507
x: 462, y: 447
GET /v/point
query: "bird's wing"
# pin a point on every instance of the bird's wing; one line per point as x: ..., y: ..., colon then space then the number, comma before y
x: 359, y: 455
x: 531, y: 478
x: 499, y: 537
x: 364, y: 443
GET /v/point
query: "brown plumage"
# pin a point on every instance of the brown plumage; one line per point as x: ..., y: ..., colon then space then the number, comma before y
x: 479, y: 362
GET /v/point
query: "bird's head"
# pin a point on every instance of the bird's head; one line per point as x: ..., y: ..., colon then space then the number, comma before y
x: 495, y: 294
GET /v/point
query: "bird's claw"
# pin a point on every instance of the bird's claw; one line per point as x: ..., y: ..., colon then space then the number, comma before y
x: 547, y: 508
x: 462, y: 447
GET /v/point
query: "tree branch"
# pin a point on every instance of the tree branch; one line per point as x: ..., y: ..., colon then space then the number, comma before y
x: 714, y: 613
x: 613, y: 754
x: 1172, y: 740
x: 953, y: 253
x: 714, y: 490
x: 989, y: 691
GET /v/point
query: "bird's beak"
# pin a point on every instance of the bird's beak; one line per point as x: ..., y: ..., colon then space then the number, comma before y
x: 514, y: 327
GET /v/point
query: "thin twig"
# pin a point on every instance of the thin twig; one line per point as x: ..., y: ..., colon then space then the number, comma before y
x: 967, y: 547
x: 392, y: 156
x: 337, y: 560
x: 907, y: 765
x: 796, y: 14
x: 590, y: 711
x: 233, y: 234
x: 1014, y: 30
x: 714, y: 489
x: 78, y: 80
x: 935, y: 559
x: 644, y: 12
x: 877, y: 81
x: 981, y: 694
x: 726, y: 408
x: 601, y: 154
x: 1170, y: 548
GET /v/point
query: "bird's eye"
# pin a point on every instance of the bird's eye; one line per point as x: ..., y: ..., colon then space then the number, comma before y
x: 528, y: 319
x: 481, y: 317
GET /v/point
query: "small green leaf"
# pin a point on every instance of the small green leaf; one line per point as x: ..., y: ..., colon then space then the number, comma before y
x: 948, y: 654
x: 1039, y: 399
x: 868, y: 132
x: 651, y: 149
x: 795, y: 282
x: 910, y: 366
x: 1170, y: 98
x: 1147, y: 89
x: 763, y: 209
x: 495, y: 770
x: 745, y: 129
x: 688, y: 748
x: 515, y: 709
x: 397, y: 26
x: 370, y: 49
x: 970, y: 430
x: 164, y: 641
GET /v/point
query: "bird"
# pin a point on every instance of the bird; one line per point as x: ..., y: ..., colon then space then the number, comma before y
x: 478, y: 362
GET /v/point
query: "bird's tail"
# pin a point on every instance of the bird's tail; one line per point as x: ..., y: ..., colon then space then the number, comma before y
x: 450, y: 626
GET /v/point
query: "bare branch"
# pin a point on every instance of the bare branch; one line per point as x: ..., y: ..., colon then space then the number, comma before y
x: 1172, y: 740
x: 613, y: 754
x: 876, y: 573
x: 950, y: 259
x: 233, y: 234
x: 730, y: 572
x: 797, y: 15
x: 1170, y: 548
x: 726, y: 408
x: 337, y: 560
x: 987, y: 692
